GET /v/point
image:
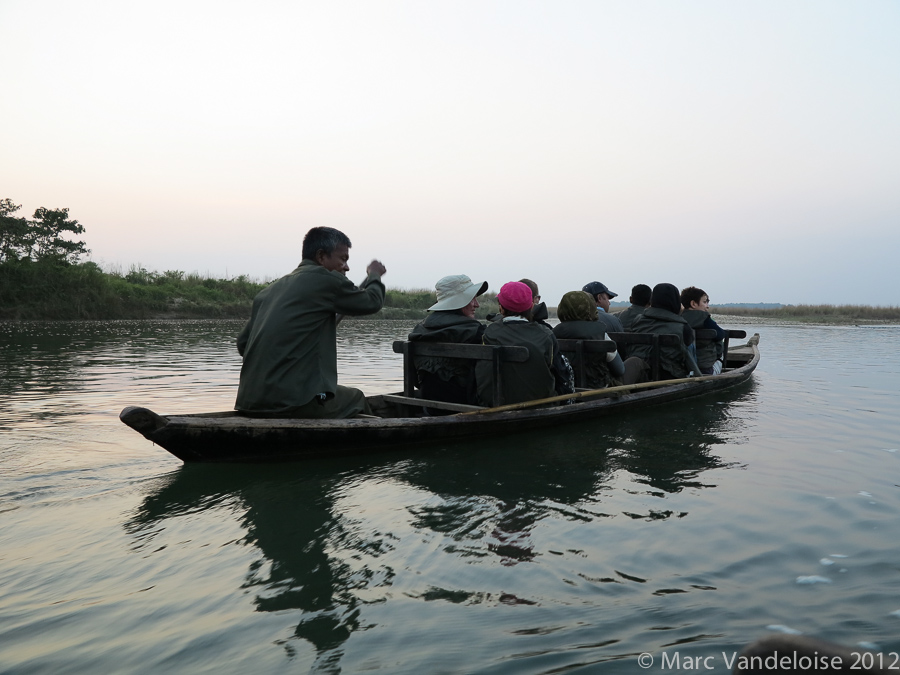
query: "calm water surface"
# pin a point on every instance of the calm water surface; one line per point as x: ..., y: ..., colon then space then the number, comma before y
x: 691, y: 528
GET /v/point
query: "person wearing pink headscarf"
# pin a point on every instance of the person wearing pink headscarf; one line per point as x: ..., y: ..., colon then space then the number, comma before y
x: 525, y: 381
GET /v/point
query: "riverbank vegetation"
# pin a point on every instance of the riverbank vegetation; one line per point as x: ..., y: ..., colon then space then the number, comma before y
x: 837, y: 314
x: 48, y: 290
x: 42, y: 277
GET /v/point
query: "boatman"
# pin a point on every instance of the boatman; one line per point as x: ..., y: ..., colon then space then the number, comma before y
x: 289, y: 344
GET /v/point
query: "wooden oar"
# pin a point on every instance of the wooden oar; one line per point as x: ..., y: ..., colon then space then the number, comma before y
x: 589, y: 394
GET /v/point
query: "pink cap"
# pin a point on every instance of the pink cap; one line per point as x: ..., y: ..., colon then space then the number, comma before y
x: 515, y: 296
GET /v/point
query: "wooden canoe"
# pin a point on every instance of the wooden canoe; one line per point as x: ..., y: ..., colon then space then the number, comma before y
x: 232, y: 437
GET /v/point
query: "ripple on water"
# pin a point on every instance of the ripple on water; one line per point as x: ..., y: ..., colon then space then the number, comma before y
x: 787, y: 630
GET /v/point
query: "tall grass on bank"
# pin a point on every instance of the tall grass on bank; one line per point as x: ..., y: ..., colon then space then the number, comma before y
x: 48, y: 290
x: 818, y: 313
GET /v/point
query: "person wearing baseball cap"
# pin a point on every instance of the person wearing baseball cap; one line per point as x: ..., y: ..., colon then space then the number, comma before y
x: 451, y: 319
x: 602, y: 295
x: 524, y: 381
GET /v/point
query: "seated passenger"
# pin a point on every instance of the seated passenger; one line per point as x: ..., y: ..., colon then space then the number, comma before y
x: 563, y: 375
x: 452, y: 319
x: 602, y: 295
x: 696, y: 312
x: 530, y: 379
x: 663, y: 318
x: 578, y: 321
x: 289, y: 345
x: 640, y: 300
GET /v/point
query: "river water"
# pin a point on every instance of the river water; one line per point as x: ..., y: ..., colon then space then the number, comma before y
x: 683, y: 531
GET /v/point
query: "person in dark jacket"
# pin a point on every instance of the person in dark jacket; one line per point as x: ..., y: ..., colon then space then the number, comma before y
x: 640, y: 301
x: 289, y: 345
x: 696, y: 312
x: 578, y: 321
x: 452, y: 319
x: 664, y: 317
x: 602, y: 295
x: 563, y: 375
x: 525, y: 381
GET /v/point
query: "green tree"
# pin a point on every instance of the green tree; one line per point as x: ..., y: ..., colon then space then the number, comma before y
x: 44, y: 238
x: 13, y: 232
x: 48, y: 230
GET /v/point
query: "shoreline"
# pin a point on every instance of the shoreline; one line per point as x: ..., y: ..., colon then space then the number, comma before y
x: 396, y: 314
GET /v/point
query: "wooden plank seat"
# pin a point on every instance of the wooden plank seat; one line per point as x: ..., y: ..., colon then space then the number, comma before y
x: 498, y: 355
x: 577, y: 349
x: 657, y: 341
x: 654, y: 340
x: 710, y: 334
x: 494, y: 353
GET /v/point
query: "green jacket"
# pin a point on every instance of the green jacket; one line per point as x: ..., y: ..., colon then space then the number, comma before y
x: 674, y: 362
x: 447, y: 327
x: 525, y: 381
x: 629, y: 314
x: 289, y: 344
x: 708, y: 351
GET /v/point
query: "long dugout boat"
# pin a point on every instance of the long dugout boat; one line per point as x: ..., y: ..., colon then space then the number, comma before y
x: 400, y: 419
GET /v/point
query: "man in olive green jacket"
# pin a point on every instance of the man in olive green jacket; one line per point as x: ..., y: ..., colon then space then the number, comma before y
x: 289, y: 344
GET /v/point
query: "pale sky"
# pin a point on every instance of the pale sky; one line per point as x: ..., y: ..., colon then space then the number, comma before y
x: 750, y: 148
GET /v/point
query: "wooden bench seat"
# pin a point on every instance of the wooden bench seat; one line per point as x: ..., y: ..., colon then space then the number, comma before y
x: 500, y: 354
x: 655, y: 341
x: 494, y: 353
x: 710, y: 334
x: 579, y: 348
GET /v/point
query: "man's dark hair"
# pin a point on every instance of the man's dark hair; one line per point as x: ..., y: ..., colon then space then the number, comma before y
x: 640, y: 295
x: 324, y: 239
x: 691, y: 294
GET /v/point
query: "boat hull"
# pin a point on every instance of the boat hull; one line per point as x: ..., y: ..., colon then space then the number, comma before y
x: 231, y: 437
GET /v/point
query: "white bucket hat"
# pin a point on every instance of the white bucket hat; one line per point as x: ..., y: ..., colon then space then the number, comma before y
x: 455, y: 292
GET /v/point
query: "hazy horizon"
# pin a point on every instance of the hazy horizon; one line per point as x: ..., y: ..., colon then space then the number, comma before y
x: 749, y: 149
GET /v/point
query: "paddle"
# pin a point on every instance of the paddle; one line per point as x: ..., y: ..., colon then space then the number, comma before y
x: 589, y: 394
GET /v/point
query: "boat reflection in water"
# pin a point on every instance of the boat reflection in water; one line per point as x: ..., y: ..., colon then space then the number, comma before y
x: 351, y: 542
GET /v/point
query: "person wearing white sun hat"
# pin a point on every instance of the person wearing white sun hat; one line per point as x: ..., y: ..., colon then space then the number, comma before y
x: 451, y: 319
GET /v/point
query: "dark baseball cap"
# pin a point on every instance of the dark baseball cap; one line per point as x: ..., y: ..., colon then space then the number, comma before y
x: 596, y: 287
